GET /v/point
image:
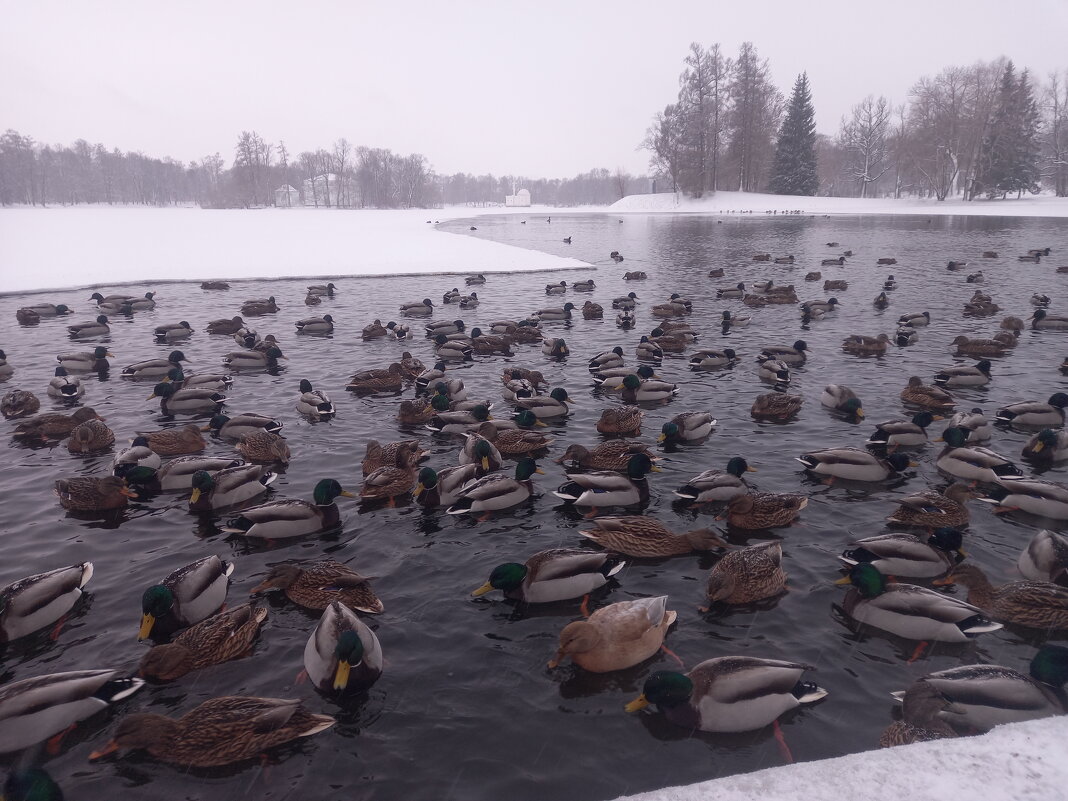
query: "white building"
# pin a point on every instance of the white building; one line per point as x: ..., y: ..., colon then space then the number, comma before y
x: 520, y: 198
x: 327, y: 190
x: 286, y: 197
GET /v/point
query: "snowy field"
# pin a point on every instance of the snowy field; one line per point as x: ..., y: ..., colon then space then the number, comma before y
x: 1018, y: 762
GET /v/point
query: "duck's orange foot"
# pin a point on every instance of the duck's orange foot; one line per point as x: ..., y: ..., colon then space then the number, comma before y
x: 585, y: 608
x: 673, y: 655
x: 54, y: 742
x: 784, y: 749
x: 916, y: 654
x: 54, y: 634
x: 301, y: 677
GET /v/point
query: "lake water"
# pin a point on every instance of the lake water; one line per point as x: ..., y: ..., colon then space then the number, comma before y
x: 466, y: 708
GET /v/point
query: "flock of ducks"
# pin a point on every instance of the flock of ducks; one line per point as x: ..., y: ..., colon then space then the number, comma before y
x: 186, y: 612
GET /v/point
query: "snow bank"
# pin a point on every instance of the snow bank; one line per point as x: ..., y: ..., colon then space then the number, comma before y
x: 1019, y: 761
x: 745, y: 202
x: 85, y: 246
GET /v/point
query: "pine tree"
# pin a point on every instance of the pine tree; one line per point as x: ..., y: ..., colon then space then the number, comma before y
x: 794, y: 171
x: 1010, y: 149
x: 1025, y: 173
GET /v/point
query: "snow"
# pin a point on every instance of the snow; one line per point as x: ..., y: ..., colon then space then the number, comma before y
x: 745, y: 202
x: 66, y: 247
x: 1020, y: 761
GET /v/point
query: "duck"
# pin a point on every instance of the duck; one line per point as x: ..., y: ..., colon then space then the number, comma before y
x: 461, y: 421
x: 242, y: 425
x: 139, y: 454
x: 612, y: 455
x: 956, y: 265
x: 555, y: 348
x: 485, y: 345
x: 1033, y: 413
x: 38, y: 601
x: 626, y: 302
x: 839, y: 262
x: 171, y: 331
x: 716, y: 486
x: 314, y: 403
x: 687, y: 427
x: 1047, y: 446
x: 860, y: 345
x: 975, y: 423
x: 185, y: 597
x: 231, y: 326
x: 667, y: 310
x: 559, y: 574
x: 648, y: 351
x: 760, y: 510
x: 291, y: 517
x: 342, y: 654
x: 49, y: 309
x: 545, y: 407
x: 143, y: 303
x: 155, y: 368
x: 835, y: 285
x: 518, y: 441
x: 933, y: 509
x: 975, y: 376
x: 323, y: 290
x: 973, y: 463
x: 1032, y: 604
x: 795, y: 355
x: 820, y: 307
x: 774, y: 371
x: 890, y: 283
x: 1031, y: 495
x: 626, y: 319
x: 622, y: 420
x: 93, y: 494
x: 36, y: 708
x: 175, y: 401
x: 555, y: 313
x: 229, y: 487
x: 729, y: 693
x: 776, y: 406
x: 728, y: 320
x: 518, y: 387
x: 592, y: 311
x: 842, y: 399
x: 222, y: 637
x: 855, y: 464
x: 645, y: 537
x: 435, y: 488
x: 915, y: 613
x: 446, y: 327
x: 98, y: 328
x: 584, y: 286
x: 982, y: 308
x: 737, y: 292
x: 784, y: 259
x: 92, y: 436
x: 253, y: 359
x: 6, y: 370
x: 608, y: 488
x: 556, y: 289
x: 473, y: 280
x: 908, y: 555
x: 815, y: 275
x: 497, y: 491
x: 1045, y: 558
x: 906, y: 335
x: 176, y: 441
x: 927, y: 397
x: 315, y: 325
x: 390, y: 481
x: 915, y: 320
x: 713, y: 359
x: 1034, y: 258
x: 617, y: 636
x: 19, y: 403
x: 453, y: 350
x: 479, y: 451
x: 606, y: 360
x: 259, y: 306
x: 219, y: 731
x: 316, y: 585
x: 373, y: 330
x: 176, y: 474
x: 377, y: 380
x: 635, y: 390
x: 881, y: 301
x: 53, y: 425
x: 65, y: 386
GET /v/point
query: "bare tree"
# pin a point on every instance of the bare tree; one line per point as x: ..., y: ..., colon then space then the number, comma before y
x: 341, y: 154
x: 1055, y: 146
x: 864, y: 137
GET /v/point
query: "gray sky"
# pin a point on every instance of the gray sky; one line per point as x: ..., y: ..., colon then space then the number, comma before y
x: 545, y: 88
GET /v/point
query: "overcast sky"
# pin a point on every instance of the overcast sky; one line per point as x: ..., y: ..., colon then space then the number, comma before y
x: 541, y: 88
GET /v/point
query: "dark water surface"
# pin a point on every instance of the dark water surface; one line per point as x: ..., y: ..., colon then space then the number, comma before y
x: 466, y: 708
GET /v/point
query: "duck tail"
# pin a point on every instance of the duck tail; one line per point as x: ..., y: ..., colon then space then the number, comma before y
x: 117, y: 689
x: 808, y: 692
x: 689, y: 492
x: 611, y: 566
x: 461, y: 506
x: 569, y: 492
x: 237, y: 525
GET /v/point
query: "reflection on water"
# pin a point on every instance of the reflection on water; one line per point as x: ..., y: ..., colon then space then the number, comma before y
x: 466, y: 707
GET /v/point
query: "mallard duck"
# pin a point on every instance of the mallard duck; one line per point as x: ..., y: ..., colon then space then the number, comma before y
x: 881, y: 301
x: 36, y: 708
x: 487, y: 345
x: 229, y: 487
x: 907, y: 554
x: 1045, y: 558
x: 555, y: 348
x: 461, y: 421
x: 264, y: 447
x: 774, y: 371
x: 628, y: 301
x: 95, y: 361
x: 54, y: 425
x: 933, y: 509
x: 231, y: 326
x: 981, y: 308
x: 559, y: 574
x: 607, y: 359
x: 979, y: 347
x: 419, y: 412
x: 545, y: 407
x: 176, y: 474
x: 964, y: 376
x: 668, y: 342
x: 442, y: 488
x: 19, y: 403
x: 736, y: 291
x: 556, y: 289
x: 635, y: 390
x: 1033, y: 413
x: 171, y: 331
x: 224, y: 636
x: 622, y: 420
x: 915, y: 320
x: 428, y: 378
x: 906, y: 335
x: 642, y: 536
x: 1034, y: 604
x: 97, y: 328
x: 609, y: 380
x: 1031, y: 495
x: 1047, y: 446
x: 776, y: 406
x: 728, y: 320
x: 626, y: 319
x: 6, y: 370
x: 818, y: 308
x: 315, y: 325
x: 975, y: 278
x: 291, y: 517
x: 219, y: 731
x: 617, y: 636
x: 927, y: 397
x: 139, y: 454
x: 761, y: 510
x: 323, y: 290
x: 608, y: 488
x: 865, y: 346
x: 687, y: 427
x: 713, y: 359
x: 174, y: 401
x: 906, y: 610
x: 842, y: 399
x: 374, y: 331
x: 715, y: 486
x: 36, y: 602
x: 314, y: 403
x: 975, y: 423
x: 155, y: 368
x: 855, y: 464
x: 238, y: 427
x: 902, y: 433
x: 115, y: 300
x: 472, y: 280
x: 175, y: 441
x: 253, y: 359
x: 973, y: 463
x: 729, y: 693
x: 790, y: 355
x: 496, y: 491
x: 956, y: 265
x: 789, y: 259
x: 342, y: 653
x: 668, y: 310
x: 318, y: 584
x: 890, y: 283
x: 837, y: 285
x: 1044, y: 321
x: 816, y: 275
x: 390, y: 481
x: 65, y: 386
x: 143, y: 303
x: 478, y: 450
x: 446, y: 327
x: 92, y: 436
x: 259, y: 306
x: 377, y: 380
x: 49, y: 309
x: 453, y: 389
x: 592, y: 311
x: 555, y: 313
x: 613, y: 455
x: 187, y: 596
x: 518, y: 388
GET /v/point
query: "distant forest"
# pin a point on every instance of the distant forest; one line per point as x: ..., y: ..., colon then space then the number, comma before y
x: 987, y: 129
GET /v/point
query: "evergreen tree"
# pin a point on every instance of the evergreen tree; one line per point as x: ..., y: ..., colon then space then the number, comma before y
x: 794, y: 171
x: 1010, y: 148
x: 1026, y: 174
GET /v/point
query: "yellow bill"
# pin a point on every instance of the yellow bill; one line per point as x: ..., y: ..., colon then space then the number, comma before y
x: 487, y: 587
x: 637, y: 704
x: 147, y: 623
x: 195, y: 496
x: 341, y: 675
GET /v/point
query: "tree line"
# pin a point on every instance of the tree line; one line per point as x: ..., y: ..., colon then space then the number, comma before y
x: 980, y: 130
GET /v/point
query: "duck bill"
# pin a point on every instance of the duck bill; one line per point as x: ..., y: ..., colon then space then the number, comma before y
x: 148, y: 622
x: 205, y: 428
x: 943, y: 582
x: 845, y: 580
x: 110, y: 748
x: 751, y: 470
x: 129, y: 493
x: 347, y: 494
x: 655, y: 469
x: 540, y: 423
x: 487, y: 587
x: 419, y: 489
x: 539, y: 471
x: 341, y: 675
x: 860, y: 414
x: 661, y: 438
x: 1038, y: 447
x: 153, y: 395
x: 195, y: 496
x: 485, y: 463
x: 555, y: 661
x: 637, y: 704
